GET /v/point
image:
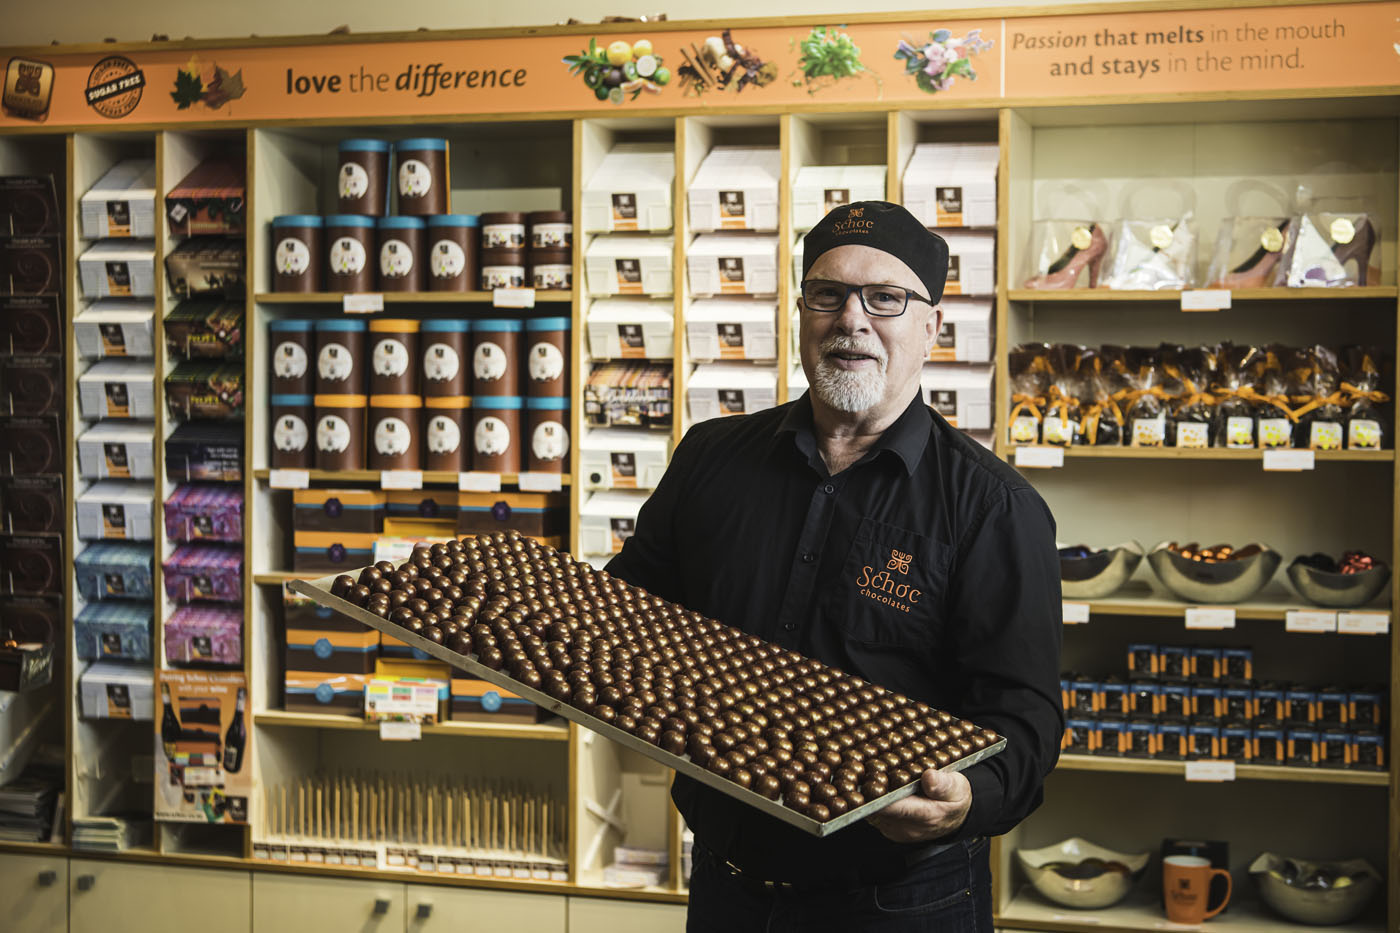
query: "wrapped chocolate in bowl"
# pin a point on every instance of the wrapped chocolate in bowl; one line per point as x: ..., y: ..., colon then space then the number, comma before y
x: 1368, y: 409
x: 1029, y: 367
x: 1061, y: 424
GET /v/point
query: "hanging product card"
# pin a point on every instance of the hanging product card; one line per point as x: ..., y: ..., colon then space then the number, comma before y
x: 478, y: 482
x: 202, y: 747
x: 1288, y: 460
x: 1205, y: 299
x: 289, y: 479
x: 400, y: 479
x: 1210, y: 618
x: 391, y: 731
x: 513, y: 298
x: 1303, y: 620
x: 1212, y: 771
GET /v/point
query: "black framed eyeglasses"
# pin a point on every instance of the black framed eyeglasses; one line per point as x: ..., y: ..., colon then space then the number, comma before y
x: 877, y: 300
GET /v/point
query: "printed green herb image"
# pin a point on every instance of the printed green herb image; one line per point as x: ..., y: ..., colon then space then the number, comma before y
x: 828, y: 55
x: 620, y: 69
x: 939, y: 62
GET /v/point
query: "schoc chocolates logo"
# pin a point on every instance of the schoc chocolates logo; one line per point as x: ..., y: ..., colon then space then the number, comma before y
x: 884, y: 587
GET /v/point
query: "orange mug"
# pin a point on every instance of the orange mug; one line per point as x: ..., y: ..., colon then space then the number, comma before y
x: 1186, y: 884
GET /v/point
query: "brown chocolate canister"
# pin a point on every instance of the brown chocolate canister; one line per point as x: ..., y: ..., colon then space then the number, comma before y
x: 496, y: 434
x: 293, y: 352
x: 547, y: 434
x: 454, y: 244
x: 547, y: 356
x: 503, y: 230
x: 393, y: 357
x: 447, y: 433
x: 400, y: 250
x: 394, y: 430
x: 363, y: 178
x: 297, y: 249
x: 445, y: 360
x: 423, y: 182
x: 496, y: 356
x: 349, y: 248
x: 550, y: 230
x: 502, y: 268
x: 340, y: 432
x: 551, y: 268
x: 292, y: 419
x: 340, y: 354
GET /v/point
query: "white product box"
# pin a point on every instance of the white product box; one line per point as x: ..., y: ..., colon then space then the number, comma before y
x: 735, y: 188
x: 122, y: 203
x: 607, y: 519
x: 623, y: 458
x: 817, y: 189
x: 717, y: 389
x: 631, y: 190
x: 631, y: 329
x: 967, y: 332
x: 953, y: 184
x: 117, y: 450
x: 732, y: 329
x: 630, y: 265
x: 732, y: 264
x: 117, y: 389
x: 117, y: 690
x: 118, y: 510
x: 961, y: 394
x: 971, y: 263
x: 113, y: 327
x: 119, y: 269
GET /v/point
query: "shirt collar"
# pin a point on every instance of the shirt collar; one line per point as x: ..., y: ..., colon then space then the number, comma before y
x: 907, y: 437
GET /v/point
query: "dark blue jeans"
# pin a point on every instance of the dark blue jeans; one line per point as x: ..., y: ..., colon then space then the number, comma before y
x: 948, y: 893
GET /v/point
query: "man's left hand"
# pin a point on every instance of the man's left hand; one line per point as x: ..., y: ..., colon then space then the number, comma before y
x: 936, y: 809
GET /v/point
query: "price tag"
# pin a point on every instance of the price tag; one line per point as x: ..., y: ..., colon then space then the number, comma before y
x: 1363, y: 623
x: 1300, y: 620
x: 478, y: 482
x: 1076, y: 918
x: 1212, y: 618
x: 1205, y: 299
x: 1214, y: 771
x: 513, y: 297
x: 1290, y: 460
x: 201, y: 777
x: 1076, y: 613
x: 400, y: 479
x: 289, y: 479
x: 362, y: 303
x: 541, y: 482
x: 400, y: 731
x: 1040, y: 457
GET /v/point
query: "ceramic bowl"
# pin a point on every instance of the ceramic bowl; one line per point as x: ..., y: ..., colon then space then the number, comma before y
x: 1337, y: 590
x: 1230, y: 581
x: 1077, y: 873
x: 1101, y: 574
x: 1291, y: 887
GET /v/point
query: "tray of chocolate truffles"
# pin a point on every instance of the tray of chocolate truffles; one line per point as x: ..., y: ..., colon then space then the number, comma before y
x: 803, y: 742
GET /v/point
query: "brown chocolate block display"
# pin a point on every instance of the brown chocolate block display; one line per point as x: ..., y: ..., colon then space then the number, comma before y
x: 803, y: 742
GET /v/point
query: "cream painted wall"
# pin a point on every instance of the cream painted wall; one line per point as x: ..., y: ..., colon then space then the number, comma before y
x: 134, y: 20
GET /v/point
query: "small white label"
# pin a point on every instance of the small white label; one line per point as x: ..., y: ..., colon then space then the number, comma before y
x: 1363, y: 623
x: 1205, y: 299
x: 1040, y: 457
x: 1289, y: 460
x: 541, y: 482
x: 478, y: 482
x: 289, y: 479
x: 1076, y: 613
x: 201, y: 777
x: 1210, y: 618
x: 1214, y: 771
x: 1076, y: 918
x: 513, y: 297
x: 400, y: 479
x: 362, y: 303
x: 400, y: 731
x: 1304, y: 620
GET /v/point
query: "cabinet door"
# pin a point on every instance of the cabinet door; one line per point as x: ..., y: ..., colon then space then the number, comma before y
x: 433, y: 909
x: 34, y: 892
x: 287, y: 901
x: 117, y: 897
x: 601, y: 915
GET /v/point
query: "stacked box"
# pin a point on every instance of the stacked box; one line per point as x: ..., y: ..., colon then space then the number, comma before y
x: 335, y: 529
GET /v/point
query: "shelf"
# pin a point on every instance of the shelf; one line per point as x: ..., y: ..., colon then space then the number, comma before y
x: 417, y: 298
x: 430, y: 477
x: 1142, y: 911
x: 541, y: 731
x: 278, y: 577
x: 1212, y: 453
x: 1242, y: 772
x: 1273, y: 603
x: 1370, y: 292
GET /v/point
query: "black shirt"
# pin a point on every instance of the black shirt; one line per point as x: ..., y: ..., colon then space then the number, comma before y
x: 928, y: 567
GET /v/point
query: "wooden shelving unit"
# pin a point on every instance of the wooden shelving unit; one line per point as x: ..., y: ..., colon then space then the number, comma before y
x: 1273, y: 604
x: 543, y: 732
x: 333, y: 299
x: 1173, y: 296
x: 1243, y: 772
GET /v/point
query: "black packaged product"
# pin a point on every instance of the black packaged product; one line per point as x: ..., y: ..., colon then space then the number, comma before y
x: 1101, y: 420
x: 1235, y: 418
x: 31, y: 385
x: 1193, y: 368
x: 31, y: 564
x: 1061, y: 424
x: 1368, y: 412
x: 1314, y: 388
x: 205, y: 450
x: 31, y: 324
x: 1029, y: 368
x: 31, y: 265
x: 31, y: 444
x: 1274, y: 415
x: 32, y: 504
x: 29, y: 206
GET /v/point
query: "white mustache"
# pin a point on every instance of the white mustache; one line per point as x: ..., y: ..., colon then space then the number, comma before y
x: 838, y: 343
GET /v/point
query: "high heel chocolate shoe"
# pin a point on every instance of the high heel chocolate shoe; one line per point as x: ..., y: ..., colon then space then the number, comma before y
x: 1360, y: 248
x: 1320, y: 256
x: 1064, y: 272
x: 1258, y: 270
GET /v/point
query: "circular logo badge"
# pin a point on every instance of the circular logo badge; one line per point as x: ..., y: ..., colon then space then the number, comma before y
x: 1343, y: 230
x: 1161, y: 236
x: 114, y: 86
x: 491, y: 701
x: 324, y: 693
x: 1271, y: 239
x: 322, y: 648
x: 1081, y: 238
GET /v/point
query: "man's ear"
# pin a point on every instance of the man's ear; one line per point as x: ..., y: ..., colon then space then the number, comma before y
x: 933, y: 325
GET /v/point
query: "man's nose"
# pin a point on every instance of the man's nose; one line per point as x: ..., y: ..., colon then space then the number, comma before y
x: 852, y: 319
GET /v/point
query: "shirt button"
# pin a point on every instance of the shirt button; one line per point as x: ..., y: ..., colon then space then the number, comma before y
x: 828, y: 489
x: 808, y: 557
x: 789, y: 626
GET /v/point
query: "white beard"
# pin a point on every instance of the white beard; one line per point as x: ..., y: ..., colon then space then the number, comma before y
x: 845, y: 390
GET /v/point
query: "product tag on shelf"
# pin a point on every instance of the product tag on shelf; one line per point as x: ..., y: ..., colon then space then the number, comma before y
x: 1210, y: 618
x: 202, y: 777
x: 400, y: 731
x: 289, y: 479
x: 1306, y: 620
x: 1075, y: 613
x: 1214, y: 771
x: 541, y: 482
x: 513, y: 297
x: 1205, y: 299
x: 1289, y: 460
x: 400, y: 479
x: 362, y: 303
x: 1363, y: 623
x: 478, y: 482
x: 1075, y: 918
x: 1040, y: 457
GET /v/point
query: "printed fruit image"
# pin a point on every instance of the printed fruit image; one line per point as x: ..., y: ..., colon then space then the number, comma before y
x: 620, y: 70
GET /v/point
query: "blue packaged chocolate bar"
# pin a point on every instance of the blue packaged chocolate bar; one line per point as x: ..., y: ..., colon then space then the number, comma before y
x: 113, y: 631
x: 114, y: 570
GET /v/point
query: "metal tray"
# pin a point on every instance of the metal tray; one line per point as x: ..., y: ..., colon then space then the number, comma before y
x: 318, y: 590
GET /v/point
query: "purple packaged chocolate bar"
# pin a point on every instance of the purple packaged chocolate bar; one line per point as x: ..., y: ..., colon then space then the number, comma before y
x: 201, y: 572
x: 200, y: 512
x: 205, y: 635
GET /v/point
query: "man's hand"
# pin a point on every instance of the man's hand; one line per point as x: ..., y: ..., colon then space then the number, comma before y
x: 937, y: 808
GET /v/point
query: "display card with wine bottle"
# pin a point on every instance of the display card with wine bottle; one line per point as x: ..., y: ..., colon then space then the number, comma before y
x: 201, y: 751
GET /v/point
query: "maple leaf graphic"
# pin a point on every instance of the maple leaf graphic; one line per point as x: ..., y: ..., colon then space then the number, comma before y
x: 188, y: 89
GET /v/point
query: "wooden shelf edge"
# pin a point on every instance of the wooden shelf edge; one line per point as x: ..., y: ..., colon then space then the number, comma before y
x: 1242, y: 772
x: 1140, y: 911
x: 1367, y: 292
x: 538, y: 732
x: 542, y: 296
x: 1107, y: 452
x: 1166, y: 608
x: 278, y: 577
x: 430, y: 477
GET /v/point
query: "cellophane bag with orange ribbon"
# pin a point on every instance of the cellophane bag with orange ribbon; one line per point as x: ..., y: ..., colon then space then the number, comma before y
x: 1029, y: 369
x: 1369, y: 411
x: 1314, y: 384
x: 1235, y: 416
x: 1063, y: 398
x: 1274, y: 427
x: 1145, y: 408
x: 1101, y: 420
x: 1192, y: 406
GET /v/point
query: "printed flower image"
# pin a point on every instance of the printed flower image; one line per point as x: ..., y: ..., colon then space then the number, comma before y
x: 827, y: 56
x: 723, y: 64
x: 620, y: 69
x: 213, y: 89
x: 942, y: 59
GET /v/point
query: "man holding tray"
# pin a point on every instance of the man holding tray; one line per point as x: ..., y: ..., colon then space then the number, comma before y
x: 855, y: 526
